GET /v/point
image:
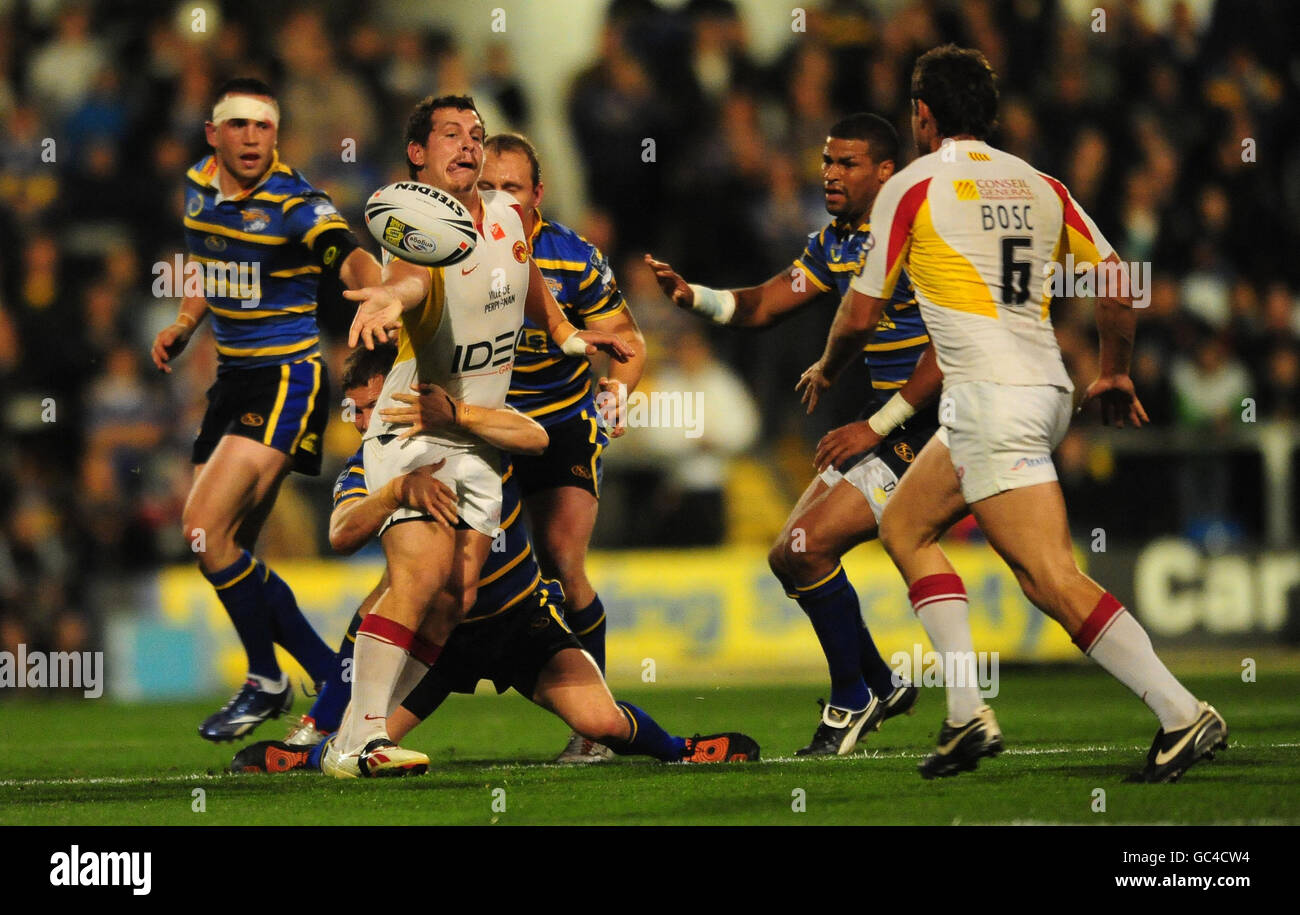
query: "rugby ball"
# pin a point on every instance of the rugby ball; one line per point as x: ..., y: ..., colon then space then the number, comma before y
x: 420, y: 223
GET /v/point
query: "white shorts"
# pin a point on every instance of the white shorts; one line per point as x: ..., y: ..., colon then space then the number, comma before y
x: 1001, y: 436
x: 870, y: 476
x: 473, y: 474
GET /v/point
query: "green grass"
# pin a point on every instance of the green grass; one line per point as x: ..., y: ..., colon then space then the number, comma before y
x: 1068, y: 731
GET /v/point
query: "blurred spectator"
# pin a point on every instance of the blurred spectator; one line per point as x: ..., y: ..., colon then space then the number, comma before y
x: 61, y: 73
x: 1208, y: 388
x: 700, y: 416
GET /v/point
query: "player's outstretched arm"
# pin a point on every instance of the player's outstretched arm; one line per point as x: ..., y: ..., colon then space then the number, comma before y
x: 431, y: 408
x: 360, y: 269
x: 855, y: 322
x: 753, y: 306
x: 379, y: 313
x: 854, y: 438
x: 1116, y: 328
x: 355, y: 522
x: 623, y: 377
x: 541, y: 308
x: 171, y: 340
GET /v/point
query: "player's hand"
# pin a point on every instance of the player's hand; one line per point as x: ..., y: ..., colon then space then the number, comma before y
x: 611, y: 401
x: 840, y: 444
x: 812, y: 384
x: 673, y: 285
x: 378, y: 316
x: 430, y: 407
x: 610, y: 343
x: 421, y: 491
x: 1119, y: 401
x: 169, y: 344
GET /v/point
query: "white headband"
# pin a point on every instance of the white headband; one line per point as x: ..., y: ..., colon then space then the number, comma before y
x: 247, y: 107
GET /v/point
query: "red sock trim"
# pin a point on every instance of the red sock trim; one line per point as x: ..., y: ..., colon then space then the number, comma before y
x: 386, y: 630
x: 933, y: 588
x: 425, y: 651
x: 1098, y: 621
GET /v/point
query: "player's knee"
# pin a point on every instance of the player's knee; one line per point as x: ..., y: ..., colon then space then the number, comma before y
x: 605, y: 722
x: 896, y: 538
x: 1048, y: 584
x: 776, y: 559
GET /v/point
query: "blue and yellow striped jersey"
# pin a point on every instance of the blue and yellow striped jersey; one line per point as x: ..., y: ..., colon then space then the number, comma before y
x: 510, y: 573
x: 260, y: 265
x: 548, y: 385
x: 830, y: 261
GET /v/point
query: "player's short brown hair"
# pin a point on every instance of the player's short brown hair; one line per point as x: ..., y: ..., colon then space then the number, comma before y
x: 363, y: 364
x: 961, y: 89
x: 420, y: 122
x: 518, y: 143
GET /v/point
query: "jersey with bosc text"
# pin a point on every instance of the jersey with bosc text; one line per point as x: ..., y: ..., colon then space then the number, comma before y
x: 977, y: 230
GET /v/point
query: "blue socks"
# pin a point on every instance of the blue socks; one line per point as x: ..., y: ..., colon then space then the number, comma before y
x: 327, y: 710
x: 648, y: 739
x: 832, y: 606
x: 239, y: 586
x: 588, y: 624
x: 264, y: 612
x: 291, y: 629
x: 878, y: 674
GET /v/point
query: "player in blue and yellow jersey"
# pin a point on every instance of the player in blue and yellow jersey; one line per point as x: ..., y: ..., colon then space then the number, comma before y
x: 858, y: 461
x: 263, y: 237
x: 562, y: 486
x: 514, y: 634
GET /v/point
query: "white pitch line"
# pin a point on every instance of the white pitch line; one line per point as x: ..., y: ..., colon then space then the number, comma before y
x: 1010, y: 751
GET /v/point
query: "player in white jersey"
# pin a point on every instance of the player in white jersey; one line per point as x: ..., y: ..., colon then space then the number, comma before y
x: 978, y: 231
x: 456, y: 327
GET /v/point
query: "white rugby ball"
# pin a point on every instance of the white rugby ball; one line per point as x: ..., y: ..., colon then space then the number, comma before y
x: 420, y: 223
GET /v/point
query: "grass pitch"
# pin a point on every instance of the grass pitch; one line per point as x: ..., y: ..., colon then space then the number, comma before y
x: 1068, y: 731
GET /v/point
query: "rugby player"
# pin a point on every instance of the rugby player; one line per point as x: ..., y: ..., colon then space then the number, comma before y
x: 561, y: 487
x: 457, y: 327
x: 972, y: 226
x: 512, y: 635
x: 862, y: 460
x: 264, y: 236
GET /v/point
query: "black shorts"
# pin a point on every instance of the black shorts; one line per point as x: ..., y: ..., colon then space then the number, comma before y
x: 510, y: 649
x: 283, y: 406
x: 571, y: 459
x: 900, y: 447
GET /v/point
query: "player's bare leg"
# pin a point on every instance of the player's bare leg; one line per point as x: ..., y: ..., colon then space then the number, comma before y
x: 926, y: 503
x: 826, y: 523
x: 1029, y: 529
x: 563, y: 519
x: 571, y: 686
x: 420, y: 559
x: 238, y: 477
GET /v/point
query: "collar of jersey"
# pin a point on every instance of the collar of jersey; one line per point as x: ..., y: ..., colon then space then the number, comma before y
x: 841, y: 227
x: 208, y: 178
x: 537, y: 228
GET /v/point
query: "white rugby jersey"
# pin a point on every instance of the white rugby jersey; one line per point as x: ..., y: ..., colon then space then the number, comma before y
x: 976, y: 229
x: 462, y: 337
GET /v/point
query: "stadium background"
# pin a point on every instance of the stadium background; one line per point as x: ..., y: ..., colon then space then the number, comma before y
x: 1192, y: 522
